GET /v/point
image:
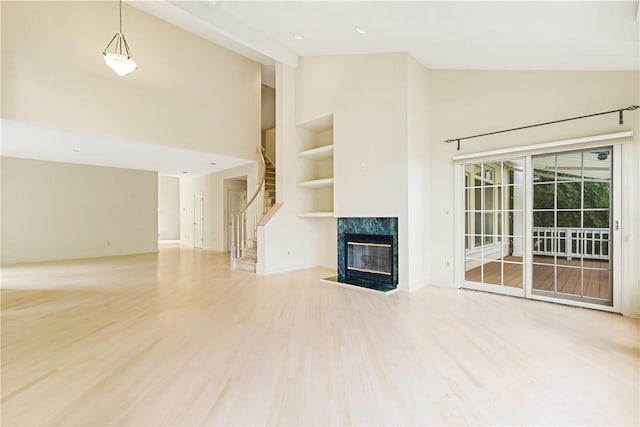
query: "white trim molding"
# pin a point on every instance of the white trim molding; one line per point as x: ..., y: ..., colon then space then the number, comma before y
x: 585, y: 142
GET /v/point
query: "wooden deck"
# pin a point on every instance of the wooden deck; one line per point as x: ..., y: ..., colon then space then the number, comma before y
x: 596, y: 275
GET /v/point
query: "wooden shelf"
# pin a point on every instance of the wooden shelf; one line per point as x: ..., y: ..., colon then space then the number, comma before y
x: 316, y: 183
x: 319, y: 153
x: 314, y: 159
x: 319, y: 124
x: 315, y: 214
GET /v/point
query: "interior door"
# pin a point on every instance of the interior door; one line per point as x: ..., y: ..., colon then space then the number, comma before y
x: 198, y: 220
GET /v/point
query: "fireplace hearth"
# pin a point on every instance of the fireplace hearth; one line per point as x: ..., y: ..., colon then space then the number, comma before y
x: 368, y: 252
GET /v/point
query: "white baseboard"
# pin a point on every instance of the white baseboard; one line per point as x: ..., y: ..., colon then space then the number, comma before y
x: 289, y: 269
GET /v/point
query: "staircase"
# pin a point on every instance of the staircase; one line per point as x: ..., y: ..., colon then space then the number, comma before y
x: 269, y: 185
x: 244, y: 234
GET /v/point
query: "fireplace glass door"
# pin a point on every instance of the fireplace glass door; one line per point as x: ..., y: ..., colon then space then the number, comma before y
x: 370, y: 257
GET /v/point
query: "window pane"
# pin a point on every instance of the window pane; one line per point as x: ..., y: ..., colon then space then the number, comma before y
x: 569, y: 166
x: 569, y: 219
x: 597, y: 164
x: 473, y: 170
x: 489, y: 172
x: 596, y: 283
x: 569, y: 280
x: 543, y: 277
x: 514, y: 224
x: 569, y: 195
x: 512, y: 249
x: 543, y: 196
x: 473, y: 269
x: 488, y: 225
x: 544, y: 168
x: 467, y: 198
x: 489, y: 198
x: 475, y: 223
x: 543, y: 219
x: 596, y: 194
x: 512, y: 275
x: 492, y: 273
x: 596, y: 219
x: 513, y: 171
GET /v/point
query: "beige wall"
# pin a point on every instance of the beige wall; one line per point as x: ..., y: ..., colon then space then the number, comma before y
x: 470, y: 102
x: 368, y: 97
x: 268, y: 102
x: 56, y: 211
x: 420, y: 247
x: 288, y: 242
x: 393, y: 115
x: 187, y: 92
x: 168, y: 208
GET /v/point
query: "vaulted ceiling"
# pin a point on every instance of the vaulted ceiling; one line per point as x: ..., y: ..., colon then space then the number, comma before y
x: 533, y: 35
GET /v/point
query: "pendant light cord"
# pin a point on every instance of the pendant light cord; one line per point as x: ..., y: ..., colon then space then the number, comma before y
x: 120, y: 16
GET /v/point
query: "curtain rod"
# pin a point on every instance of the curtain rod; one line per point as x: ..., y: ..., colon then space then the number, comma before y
x: 619, y: 111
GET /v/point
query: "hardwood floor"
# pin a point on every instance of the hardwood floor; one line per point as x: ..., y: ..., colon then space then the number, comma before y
x: 179, y: 339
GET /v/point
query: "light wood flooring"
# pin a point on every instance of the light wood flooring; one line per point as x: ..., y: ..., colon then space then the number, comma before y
x: 178, y: 338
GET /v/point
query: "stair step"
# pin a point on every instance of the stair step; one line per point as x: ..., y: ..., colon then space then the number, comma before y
x: 248, y: 251
x: 246, y: 264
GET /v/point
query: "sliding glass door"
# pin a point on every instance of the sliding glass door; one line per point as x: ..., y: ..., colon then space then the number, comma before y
x: 494, y: 226
x: 542, y: 226
x: 572, y: 226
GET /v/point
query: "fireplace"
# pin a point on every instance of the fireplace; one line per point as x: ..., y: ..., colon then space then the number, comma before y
x: 368, y: 252
x: 369, y: 257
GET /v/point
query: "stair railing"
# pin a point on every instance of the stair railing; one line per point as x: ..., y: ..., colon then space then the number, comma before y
x: 239, y: 235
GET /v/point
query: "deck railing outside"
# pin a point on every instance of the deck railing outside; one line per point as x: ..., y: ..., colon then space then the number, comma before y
x: 571, y: 242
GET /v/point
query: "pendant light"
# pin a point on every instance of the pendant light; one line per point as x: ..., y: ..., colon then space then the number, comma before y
x: 119, y: 59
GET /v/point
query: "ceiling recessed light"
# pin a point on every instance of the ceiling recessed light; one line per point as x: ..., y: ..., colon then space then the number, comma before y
x: 75, y: 150
x: 298, y: 37
x: 213, y: 163
x: 185, y: 172
x: 360, y: 30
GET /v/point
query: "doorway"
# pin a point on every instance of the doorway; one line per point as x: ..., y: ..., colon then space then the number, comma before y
x: 544, y: 226
x: 198, y: 220
x: 235, y: 199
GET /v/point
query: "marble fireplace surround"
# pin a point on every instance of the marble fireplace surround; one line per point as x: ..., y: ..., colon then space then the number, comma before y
x: 372, y: 226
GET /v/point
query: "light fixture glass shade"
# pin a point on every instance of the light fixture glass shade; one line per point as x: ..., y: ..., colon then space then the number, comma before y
x: 121, y: 64
x: 119, y: 59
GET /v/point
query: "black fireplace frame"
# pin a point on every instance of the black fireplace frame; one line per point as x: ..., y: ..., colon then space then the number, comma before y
x: 370, y: 276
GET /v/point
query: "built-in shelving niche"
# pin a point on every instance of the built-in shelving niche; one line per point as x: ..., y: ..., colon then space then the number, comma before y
x: 315, y: 168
